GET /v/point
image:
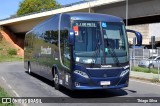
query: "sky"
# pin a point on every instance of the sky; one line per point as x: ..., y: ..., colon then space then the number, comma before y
x: 9, y: 7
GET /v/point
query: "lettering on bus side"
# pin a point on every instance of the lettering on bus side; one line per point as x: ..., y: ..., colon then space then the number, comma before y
x: 46, y: 50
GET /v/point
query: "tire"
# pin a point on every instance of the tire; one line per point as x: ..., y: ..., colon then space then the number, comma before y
x: 29, y: 69
x: 151, y: 66
x: 56, y: 80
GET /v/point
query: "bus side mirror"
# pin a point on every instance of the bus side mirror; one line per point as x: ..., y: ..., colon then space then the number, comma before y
x: 71, y: 36
x: 138, y: 36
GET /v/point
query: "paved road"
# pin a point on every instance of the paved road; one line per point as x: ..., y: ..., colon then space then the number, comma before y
x: 18, y: 83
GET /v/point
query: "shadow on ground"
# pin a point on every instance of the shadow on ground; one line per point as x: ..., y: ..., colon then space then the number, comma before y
x: 85, y: 93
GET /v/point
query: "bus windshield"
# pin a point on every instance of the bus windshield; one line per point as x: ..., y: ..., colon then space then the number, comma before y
x: 98, y: 43
x: 115, y: 43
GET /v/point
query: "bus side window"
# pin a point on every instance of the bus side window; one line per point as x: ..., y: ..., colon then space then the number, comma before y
x: 65, y: 48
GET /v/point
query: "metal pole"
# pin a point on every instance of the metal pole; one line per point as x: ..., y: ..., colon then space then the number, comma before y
x: 130, y: 59
x: 89, y: 7
x: 134, y: 44
x: 126, y: 13
x: 134, y: 55
x: 158, y: 72
x: 152, y: 41
x: 158, y: 64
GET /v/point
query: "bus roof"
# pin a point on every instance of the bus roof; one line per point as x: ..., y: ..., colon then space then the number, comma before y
x: 87, y: 17
x: 94, y: 17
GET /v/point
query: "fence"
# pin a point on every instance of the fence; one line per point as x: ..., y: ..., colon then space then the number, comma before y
x: 137, y: 54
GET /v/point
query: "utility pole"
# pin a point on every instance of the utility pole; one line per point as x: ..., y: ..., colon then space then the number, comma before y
x: 89, y: 8
x: 126, y: 13
x: 134, y: 44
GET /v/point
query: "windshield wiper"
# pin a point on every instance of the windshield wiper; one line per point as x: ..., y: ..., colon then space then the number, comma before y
x: 95, y: 54
x: 112, y: 52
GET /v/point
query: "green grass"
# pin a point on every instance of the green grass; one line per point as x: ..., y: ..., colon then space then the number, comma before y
x: 3, y: 93
x: 7, y: 52
x: 7, y: 58
x: 145, y: 70
x: 155, y: 80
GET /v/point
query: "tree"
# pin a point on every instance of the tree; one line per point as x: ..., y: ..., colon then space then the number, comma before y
x: 31, y: 6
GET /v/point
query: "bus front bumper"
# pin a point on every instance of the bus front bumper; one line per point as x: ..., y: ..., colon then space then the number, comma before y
x: 99, y: 87
x: 94, y: 83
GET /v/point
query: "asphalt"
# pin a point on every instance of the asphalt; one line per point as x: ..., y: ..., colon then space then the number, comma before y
x: 18, y: 83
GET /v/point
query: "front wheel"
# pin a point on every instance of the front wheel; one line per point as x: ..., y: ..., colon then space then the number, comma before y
x: 56, y: 81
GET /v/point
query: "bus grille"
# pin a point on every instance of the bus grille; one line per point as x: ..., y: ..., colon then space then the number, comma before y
x: 104, y: 73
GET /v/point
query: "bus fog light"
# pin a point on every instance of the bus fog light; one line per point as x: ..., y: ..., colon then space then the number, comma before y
x: 81, y: 73
x: 123, y: 73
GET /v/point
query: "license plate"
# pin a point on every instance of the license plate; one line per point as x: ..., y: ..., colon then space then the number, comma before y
x: 105, y: 83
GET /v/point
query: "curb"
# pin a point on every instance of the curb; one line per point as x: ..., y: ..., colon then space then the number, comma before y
x: 145, y: 79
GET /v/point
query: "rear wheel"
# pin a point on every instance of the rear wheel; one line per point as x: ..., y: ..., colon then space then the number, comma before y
x: 29, y: 68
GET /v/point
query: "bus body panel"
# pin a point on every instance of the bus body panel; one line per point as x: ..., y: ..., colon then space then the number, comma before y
x: 46, y: 46
x: 94, y: 80
x: 41, y: 48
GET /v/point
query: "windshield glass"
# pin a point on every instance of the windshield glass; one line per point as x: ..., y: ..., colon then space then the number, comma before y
x: 115, y: 43
x: 152, y: 57
x: 87, y: 48
x: 98, y: 43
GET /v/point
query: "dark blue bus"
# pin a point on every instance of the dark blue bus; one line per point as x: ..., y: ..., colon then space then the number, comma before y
x: 79, y: 51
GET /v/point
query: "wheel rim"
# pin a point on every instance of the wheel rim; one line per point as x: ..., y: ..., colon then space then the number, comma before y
x: 29, y: 69
x: 56, y: 79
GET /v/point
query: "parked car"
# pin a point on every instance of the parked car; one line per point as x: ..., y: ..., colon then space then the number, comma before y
x: 151, y: 62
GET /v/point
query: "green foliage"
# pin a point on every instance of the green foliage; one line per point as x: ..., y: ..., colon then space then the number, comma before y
x: 155, y: 80
x: 4, y: 55
x: 12, y: 52
x: 31, y: 6
x: 1, y: 37
x: 8, y: 58
x: 146, y: 70
x: 3, y: 93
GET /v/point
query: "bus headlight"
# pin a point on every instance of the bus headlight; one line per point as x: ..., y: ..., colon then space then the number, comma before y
x: 123, y: 73
x: 89, y: 60
x: 81, y: 73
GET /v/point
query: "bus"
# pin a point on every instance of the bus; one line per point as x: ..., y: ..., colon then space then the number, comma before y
x: 79, y: 51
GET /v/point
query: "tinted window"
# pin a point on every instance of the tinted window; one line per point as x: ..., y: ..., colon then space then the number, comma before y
x: 152, y: 57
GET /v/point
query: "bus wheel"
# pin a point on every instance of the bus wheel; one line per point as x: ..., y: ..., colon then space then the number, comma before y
x: 56, y: 81
x: 29, y: 69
